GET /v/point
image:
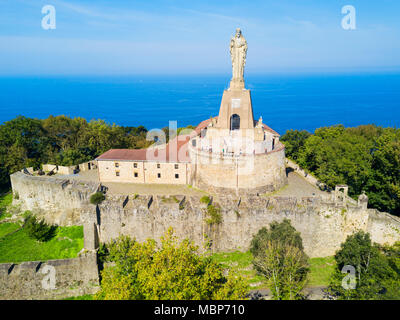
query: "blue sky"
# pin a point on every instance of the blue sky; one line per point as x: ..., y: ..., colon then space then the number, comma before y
x: 185, y: 37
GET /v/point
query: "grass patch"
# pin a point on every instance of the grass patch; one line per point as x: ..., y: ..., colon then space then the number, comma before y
x: 205, y: 199
x: 241, y: 262
x: 321, y: 270
x: 19, y: 247
x: 6, y: 228
x: 5, y: 201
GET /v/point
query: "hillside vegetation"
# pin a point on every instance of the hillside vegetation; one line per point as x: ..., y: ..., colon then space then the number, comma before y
x: 61, y: 140
x: 366, y: 158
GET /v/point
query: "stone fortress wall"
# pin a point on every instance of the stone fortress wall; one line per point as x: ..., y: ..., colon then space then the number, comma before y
x: 324, y: 223
x: 53, y: 279
x: 67, y: 200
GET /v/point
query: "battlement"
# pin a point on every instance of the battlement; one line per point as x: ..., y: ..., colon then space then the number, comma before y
x: 324, y: 220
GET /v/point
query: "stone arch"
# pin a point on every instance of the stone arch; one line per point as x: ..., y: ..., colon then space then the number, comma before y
x: 235, y: 122
x: 341, y: 193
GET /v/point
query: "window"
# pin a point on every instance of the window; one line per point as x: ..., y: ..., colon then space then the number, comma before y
x: 135, y: 174
x: 193, y: 142
x: 117, y: 173
x: 176, y: 176
x: 135, y: 165
x: 158, y: 175
x: 117, y: 165
x: 158, y: 166
x: 176, y: 166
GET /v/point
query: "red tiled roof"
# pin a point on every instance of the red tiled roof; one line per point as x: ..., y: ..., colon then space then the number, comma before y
x: 176, y: 150
x: 202, y: 125
x: 270, y: 130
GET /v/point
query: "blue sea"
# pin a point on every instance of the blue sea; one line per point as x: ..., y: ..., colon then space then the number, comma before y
x: 284, y: 101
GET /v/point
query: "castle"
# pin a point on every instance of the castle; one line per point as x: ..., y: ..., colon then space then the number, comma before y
x: 232, y: 156
x: 229, y: 152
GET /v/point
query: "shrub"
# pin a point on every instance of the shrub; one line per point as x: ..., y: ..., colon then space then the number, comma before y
x: 39, y: 229
x: 214, y: 215
x: 102, y: 255
x: 205, y: 199
x: 97, y: 198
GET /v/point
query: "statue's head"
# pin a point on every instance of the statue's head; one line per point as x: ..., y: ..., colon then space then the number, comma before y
x: 238, y: 32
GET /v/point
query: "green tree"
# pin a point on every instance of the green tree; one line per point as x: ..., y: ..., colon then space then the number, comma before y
x: 282, y: 232
x: 279, y: 256
x: 173, y: 271
x: 39, y: 229
x: 285, y: 267
x: 294, y: 141
x: 366, y: 158
x: 60, y: 140
x: 22, y: 144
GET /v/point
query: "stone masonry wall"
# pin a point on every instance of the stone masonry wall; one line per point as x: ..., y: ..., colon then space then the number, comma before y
x: 261, y: 172
x: 324, y: 225
x: 66, y: 200
x: 33, y: 279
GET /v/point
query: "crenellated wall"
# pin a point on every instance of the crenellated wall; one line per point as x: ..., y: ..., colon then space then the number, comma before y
x: 66, y: 200
x: 323, y: 224
x: 33, y: 279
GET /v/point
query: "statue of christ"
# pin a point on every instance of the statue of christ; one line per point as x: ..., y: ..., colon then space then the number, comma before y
x: 238, y: 48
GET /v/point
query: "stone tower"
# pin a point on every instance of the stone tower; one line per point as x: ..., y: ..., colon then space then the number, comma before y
x: 234, y: 152
x: 236, y: 111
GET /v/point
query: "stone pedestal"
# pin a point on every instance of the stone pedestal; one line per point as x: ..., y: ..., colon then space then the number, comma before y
x: 236, y: 102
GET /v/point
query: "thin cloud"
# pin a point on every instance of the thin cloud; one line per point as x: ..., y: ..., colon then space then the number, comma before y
x: 214, y: 15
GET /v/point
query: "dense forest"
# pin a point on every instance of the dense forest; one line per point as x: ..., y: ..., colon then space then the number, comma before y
x: 366, y: 158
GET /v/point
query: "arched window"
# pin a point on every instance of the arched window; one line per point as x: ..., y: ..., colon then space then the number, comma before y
x: 235, y: 122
